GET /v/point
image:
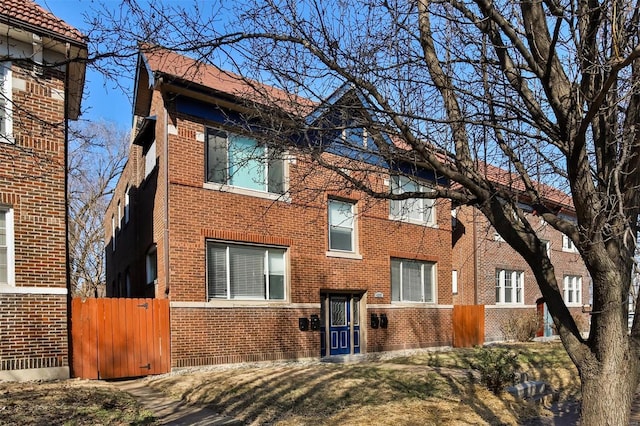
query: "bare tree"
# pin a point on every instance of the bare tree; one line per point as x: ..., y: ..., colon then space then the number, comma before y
x: 97, y: 154
x: 549, y: 91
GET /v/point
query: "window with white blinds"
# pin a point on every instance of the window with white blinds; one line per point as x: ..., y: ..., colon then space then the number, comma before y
x: 245, y: 272
x: 412, y: 281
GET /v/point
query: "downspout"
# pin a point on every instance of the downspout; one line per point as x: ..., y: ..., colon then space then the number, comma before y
x: 166, y: 199
x: 66, y: 217
x: 475, y: 256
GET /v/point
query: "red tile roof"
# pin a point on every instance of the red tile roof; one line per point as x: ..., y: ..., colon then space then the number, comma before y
x: 29, y: 13
x: 170, y: 63
x: 513, y: 181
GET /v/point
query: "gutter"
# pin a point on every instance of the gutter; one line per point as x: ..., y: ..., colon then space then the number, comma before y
x: 166, y: 198
x: 475, y: 256
x: 17, y: 23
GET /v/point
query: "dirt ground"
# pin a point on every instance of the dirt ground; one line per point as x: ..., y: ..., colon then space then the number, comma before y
x: 69, y: 402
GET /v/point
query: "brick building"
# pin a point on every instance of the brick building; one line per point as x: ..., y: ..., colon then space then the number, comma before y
x: 491, y: 273
x: 40, y: 89
x: 269, y: 257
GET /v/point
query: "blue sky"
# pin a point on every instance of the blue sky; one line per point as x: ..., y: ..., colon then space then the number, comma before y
x: 102, y: 99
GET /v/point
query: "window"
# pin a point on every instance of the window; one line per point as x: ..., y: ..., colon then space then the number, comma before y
x: 127, y: 284
x: 6, y: 104
x: 547, y: 246
x: 152, y: 265
x: 150, y: 159
x: 119, y: 213
x: 341, y: 226
x: 240, y: 161
x: 113, y: 232
x: 454, y: 281
x: 509, y: 286
x: 567, y: 244
x: 6, y: 247
x: 413, y: 209
x: 245, y: 272
x: 127, y: 200
x: 412, y: 281
x: 572, y: 289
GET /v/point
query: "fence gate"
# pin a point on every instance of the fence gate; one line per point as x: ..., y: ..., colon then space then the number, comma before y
x: 468, y: 325
x: 116, y: 338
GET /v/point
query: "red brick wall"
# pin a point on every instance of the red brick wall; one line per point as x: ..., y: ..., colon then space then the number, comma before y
x: 33, y: 332
x: 225, y: 333
x: 464, y: 255
x: 493, y: 254
x: 32, y: 182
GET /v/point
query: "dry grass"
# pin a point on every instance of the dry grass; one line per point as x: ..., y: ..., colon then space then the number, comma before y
x: 433, y: 388
x: 430, y: 388
x: 69, y: 402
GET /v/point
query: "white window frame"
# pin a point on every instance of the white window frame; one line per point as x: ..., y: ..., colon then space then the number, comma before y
x: 119, y: 215
x: 351, y: 227
x: 567, y: 245
x: 151, y: 265
x: 397, y: 296
x: 547, y: 246
x: 227, y: 180
x: 454, y: 281
x: 424, y: 208
x: 6, y: 102
x: 127, y: 206
x: 227, y: 247
x: 572, y: 290
x: 113, y: 232
x: 515, y: 290
x: 150, y: 159
x: 9, y: 246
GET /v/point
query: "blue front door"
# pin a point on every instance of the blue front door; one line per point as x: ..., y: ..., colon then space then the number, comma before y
x: 344, y: 325
x: 339, y: 326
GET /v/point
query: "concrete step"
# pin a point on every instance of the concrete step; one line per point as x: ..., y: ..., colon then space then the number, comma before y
x: 530, y: 389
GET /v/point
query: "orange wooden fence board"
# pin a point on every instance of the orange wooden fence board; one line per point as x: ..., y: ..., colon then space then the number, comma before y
x: 115, y: 338
x: 468, y: 325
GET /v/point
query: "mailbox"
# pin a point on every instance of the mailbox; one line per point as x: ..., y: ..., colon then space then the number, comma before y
x: 375, y: 321
x: 303, y: 324
x: 315, y: 323
x: 384, y: 321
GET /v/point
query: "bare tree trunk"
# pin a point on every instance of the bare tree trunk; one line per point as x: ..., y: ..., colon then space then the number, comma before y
x: 607, y: 392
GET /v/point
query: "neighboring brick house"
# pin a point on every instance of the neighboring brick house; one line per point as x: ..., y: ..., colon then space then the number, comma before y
x: 491, y: 273
x: 40, y: 89
x: 248, y: 253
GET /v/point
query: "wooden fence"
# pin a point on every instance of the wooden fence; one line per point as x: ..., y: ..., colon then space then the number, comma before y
x: 117, y: 338
x: 468, y: 325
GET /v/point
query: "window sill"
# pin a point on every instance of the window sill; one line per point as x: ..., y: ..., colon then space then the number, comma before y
x: 245, y: 191
x: 414, y: 222
x: 344, y: 255
x: 231, y: 303
x: 408, y: 303
x: 566, y: 250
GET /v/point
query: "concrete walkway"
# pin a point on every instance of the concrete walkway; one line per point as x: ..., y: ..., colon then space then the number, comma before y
x: 169, y: 411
